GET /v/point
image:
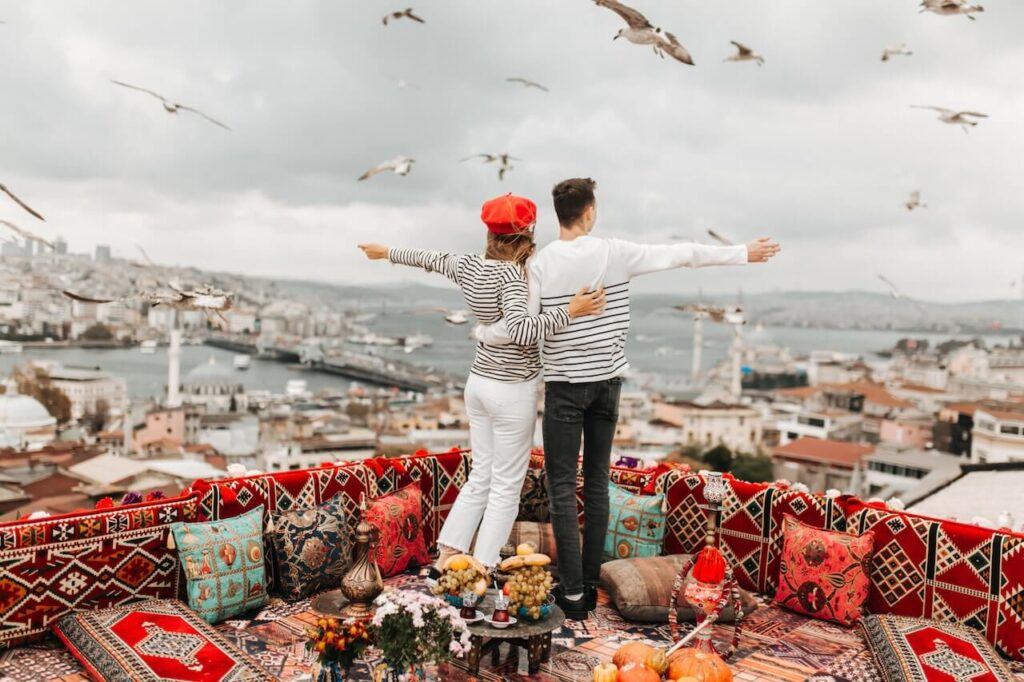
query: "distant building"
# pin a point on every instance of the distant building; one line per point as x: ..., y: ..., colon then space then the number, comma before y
x: 907, y: 473
x: 984, y: 494
x: 214, y: 386
x: 60, y: 246
x: 312, y: 452
x: 915, y: 430
x: 234, y: 435
x: 820, y: 464
x: 109, y: 474
x: 102, y: 254
x: 998, y: 434
x: 738, y: 427
x: 89, y: 390
x: 24, y: 422
x: 952, y: 430
x: 823, y: 424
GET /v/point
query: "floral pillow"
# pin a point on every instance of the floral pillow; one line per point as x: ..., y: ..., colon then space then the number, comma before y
x: 636, y: 524
x: 822, y: 573
x: 398, y: 520
x: 312, y: 548
x: 223, y: 562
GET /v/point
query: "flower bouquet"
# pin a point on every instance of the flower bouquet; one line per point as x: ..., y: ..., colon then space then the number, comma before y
x: 412, y: 629
x: 337, y: 645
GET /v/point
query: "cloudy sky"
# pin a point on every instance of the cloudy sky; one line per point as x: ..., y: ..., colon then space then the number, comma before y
x: 819, y: 148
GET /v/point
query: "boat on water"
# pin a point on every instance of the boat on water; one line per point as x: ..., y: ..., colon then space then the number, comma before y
x: 242, y: 361
x: 9, y: 347
x: 372, y: 339
x: 148, y: 347
x: 296, y: 388
x: 417, y: 340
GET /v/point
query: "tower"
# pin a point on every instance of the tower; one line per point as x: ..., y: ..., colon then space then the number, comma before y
x: 174, y: 363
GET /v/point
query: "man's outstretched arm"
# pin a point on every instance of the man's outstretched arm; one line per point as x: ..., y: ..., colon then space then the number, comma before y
x: 644, y: 258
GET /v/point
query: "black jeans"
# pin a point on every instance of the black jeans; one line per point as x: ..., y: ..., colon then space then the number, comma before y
x: 589, y: 410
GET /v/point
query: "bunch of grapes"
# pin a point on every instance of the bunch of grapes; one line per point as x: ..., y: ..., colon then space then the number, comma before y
x: 528, y: 587
x: 456, y: 582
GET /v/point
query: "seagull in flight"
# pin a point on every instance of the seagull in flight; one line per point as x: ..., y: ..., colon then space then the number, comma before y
x: 950, y: 7
x: 731, y: 314
x: 19, y: 202
x: 960, y: 118
x: 403, y: 14
x: 171, y: 107
x: 914, y: 201
x: 504, y: 165
x: 527, y: 83
x: 400, y: 165
x: 894, y: 50
x: 640, y: 31
x: 25, y: 234
x: 207, y: 299
x: 744, y: 54
x: 719, y: 238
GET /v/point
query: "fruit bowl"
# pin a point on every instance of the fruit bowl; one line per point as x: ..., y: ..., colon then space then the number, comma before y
x: 545, y: 610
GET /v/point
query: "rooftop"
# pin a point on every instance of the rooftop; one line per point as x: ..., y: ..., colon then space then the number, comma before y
x: 981, y: 491
x: 838, y: 453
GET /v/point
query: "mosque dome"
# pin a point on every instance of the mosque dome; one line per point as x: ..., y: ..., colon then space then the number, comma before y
x: 18, y: 412
x: 210, y: 373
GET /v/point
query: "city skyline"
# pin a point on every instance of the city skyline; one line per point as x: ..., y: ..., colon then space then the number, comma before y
x: 730, y: 146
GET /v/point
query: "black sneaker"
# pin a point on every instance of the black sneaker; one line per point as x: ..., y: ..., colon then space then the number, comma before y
x: 574, y: 609
x: 590, y: 597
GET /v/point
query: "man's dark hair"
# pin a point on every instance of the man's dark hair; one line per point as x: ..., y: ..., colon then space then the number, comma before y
x: 572, y: 197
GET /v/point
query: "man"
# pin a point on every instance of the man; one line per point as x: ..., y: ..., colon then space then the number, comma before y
x: 583, y: 367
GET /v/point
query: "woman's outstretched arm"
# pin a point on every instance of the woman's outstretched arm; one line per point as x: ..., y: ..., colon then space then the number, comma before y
x: 447, y: 264
x: 527, y: 330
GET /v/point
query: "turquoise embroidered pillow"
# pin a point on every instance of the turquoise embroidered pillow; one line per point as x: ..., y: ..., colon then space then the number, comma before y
x: 636, y: 525
x: 223, y: 562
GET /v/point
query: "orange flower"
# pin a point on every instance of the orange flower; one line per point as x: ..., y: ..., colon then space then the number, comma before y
x: 321, y: 623
x: 319, y: 646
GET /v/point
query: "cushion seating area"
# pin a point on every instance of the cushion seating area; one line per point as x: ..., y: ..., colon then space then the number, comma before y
x: 777, y: 644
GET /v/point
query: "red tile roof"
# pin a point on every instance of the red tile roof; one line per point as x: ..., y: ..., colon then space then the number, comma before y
x: 839, y: 453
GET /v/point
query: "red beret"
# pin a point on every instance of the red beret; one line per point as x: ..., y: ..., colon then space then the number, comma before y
x: 508, y: 214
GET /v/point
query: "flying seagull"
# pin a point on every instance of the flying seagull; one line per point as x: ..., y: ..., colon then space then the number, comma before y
x: 950, y: 7
x: 207, y: 299
x: 640, y: 31
x: 19, y: 202
x: 914, y: 201
x: 717, y: 313
x: 719, y: 238
x: 960, y: 118
x: 25, y: 234
x: 400, y: 165
x: 404, y: 14
x: 171, y: 107
x: 896, y: 293
x: 894, y: 50
x: 744, y: 54
x: 527, y: 83
x: 503, y: 161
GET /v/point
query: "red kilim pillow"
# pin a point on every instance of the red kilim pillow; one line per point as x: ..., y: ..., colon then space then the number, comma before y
x: 919, y: 650
x: 398, y: 519
x: 151, y: 641
x: 823, y: 574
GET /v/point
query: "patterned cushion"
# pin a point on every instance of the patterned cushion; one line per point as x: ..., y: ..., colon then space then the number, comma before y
x: 151, y: 641
x: 946, y: 571
x: 751, y: 531
x: 641, y: 589
x: 312, y: 548
x: 398, y: 519
x: 824, y: 574
x: 919, y: 650
x: 223, y: 562
x: 636, y: 524
x: 85, y: 560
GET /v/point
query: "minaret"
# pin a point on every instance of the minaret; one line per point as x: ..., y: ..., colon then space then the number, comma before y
x: 698, y: 342
x: 174, y: 363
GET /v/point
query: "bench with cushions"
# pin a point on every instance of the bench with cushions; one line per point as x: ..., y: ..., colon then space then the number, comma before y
x: 922, y: 567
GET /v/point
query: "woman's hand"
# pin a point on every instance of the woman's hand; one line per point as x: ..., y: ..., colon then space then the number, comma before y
x: 761, y: 250
x: 584, y: 303
x: 374, y: 251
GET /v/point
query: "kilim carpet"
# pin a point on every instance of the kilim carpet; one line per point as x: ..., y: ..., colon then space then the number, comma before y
x: 777, y: 646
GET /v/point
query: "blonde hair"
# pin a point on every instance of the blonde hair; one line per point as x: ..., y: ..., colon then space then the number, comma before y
x: 517, y: 247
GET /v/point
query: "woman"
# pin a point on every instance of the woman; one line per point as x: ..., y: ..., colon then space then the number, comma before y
x: 501, y: 392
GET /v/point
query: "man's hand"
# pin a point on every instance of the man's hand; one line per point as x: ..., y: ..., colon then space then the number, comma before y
x: 761, y: 250
x: 374, y: 251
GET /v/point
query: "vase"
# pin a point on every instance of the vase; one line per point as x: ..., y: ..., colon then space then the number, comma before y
x: 329, y: 672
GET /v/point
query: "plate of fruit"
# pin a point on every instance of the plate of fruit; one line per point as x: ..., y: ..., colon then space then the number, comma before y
x: 528, y: 583
x: 461, y: 574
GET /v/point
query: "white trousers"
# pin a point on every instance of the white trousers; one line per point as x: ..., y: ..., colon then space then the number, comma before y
x: 502, y: 417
